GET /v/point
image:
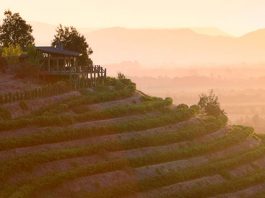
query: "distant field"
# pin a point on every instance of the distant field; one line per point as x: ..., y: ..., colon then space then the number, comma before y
x: 243, y: 103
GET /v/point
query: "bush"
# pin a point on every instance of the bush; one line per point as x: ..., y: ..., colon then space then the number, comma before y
x: 120, y: 83
x: 210, y: 104
x: 169, y: 100
x: 121, y: 76
x: 12, y: 53
x: 34, y: 57
x: 195, y: 109
x: 182, y: 107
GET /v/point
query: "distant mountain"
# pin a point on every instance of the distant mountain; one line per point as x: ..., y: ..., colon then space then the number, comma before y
x: 166, y: 47
x: 169, y: 47
x: 44, y: 33
x: 211, y: 31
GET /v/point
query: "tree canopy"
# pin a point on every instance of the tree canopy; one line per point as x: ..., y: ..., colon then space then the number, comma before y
x: 71, y: 39
x: 210, y: 104
x: 15, y: 31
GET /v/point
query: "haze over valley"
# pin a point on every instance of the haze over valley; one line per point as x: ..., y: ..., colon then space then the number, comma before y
x: 183, y: 63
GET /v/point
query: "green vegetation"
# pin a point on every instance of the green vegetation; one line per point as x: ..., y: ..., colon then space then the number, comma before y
x: 185, y: 133
x: 15, y: 31
x: 63, y: 120
x: 58, y: 135
x: 150, y: 158
x: 12, y: 53
x: 91, y: 135
x: 210, y: 104
x: 71, y: 39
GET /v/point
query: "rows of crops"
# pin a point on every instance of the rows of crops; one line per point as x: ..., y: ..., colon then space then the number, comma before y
x: 138, y: 146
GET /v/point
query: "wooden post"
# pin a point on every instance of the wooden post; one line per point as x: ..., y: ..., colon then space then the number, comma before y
x: 64, y: 63
x: 94, y: 75
x: 57, y: 64
x: 49, y: 62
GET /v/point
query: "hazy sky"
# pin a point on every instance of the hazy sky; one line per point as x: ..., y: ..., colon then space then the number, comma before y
x: 233, y: 16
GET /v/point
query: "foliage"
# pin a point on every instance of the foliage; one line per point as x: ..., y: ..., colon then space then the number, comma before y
x: 71, y: 133
x: 182, y: 107
x: 121, y: 76
x: 15, y: 31
x: 71, y: 39
x: 12, y: 53
x: 195, y: 109
x: 134, y: 161
x: 34, y: 57
x: 120, y: 82
x: 210, y: 104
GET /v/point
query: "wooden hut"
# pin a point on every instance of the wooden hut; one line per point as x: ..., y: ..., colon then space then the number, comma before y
x: 59, y: 61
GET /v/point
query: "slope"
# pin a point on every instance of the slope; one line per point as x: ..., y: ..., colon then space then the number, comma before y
x: 114, y: 141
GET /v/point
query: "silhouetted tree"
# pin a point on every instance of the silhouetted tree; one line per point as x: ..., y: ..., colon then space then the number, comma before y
x: 15, y: 31
x: 210, y: 104
x: 71, y: 39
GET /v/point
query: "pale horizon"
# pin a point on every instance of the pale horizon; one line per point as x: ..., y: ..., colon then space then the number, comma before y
x: 235, y: 17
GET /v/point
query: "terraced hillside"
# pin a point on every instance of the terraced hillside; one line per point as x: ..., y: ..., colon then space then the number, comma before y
x: 114, y: 141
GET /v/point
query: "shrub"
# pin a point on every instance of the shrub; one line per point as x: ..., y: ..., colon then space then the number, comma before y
x: 210, y: 104
x: 121, y: 76
x: 12, y: 53
x: 169, y: 100
x: 34, y: 57
x: 195, y: 109
x: 182, y: 107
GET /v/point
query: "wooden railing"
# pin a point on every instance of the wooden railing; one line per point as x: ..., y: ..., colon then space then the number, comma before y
x: 44, y: 91
x: 87, y: 77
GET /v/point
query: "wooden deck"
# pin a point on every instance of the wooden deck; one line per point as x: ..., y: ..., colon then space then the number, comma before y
x: 91, y: 74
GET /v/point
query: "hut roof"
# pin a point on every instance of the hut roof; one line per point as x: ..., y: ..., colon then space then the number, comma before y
x: 58, y: 51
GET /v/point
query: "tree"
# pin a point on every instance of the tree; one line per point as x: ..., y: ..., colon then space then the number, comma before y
x: 15, y: 31
x: 210, y: 104
x: 71, y: 39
